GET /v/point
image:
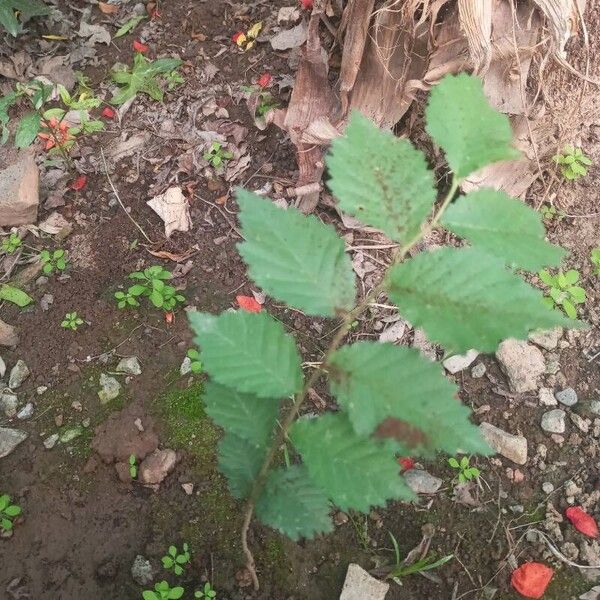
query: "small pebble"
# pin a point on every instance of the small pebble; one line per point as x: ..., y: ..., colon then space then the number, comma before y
x: 50, y: 441
x: 478, y: 371
x: 568, y: 396
x: 547, y: 487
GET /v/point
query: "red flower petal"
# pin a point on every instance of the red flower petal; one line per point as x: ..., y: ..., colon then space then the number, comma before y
x: 582, y: 521
x: 169, y: 316
x: 265, y: 80
x: 79, y: 183
x: 236, y: 36
x: 531, y: 579
x: 249, y: 304
x: 406, y: 462
x: 108, y: 113
x: 306, y: 4
x: 139, y: 47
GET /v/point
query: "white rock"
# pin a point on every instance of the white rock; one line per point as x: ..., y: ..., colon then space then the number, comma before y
x: 41, y: 389
x: 546, y: 396
x: 10, y: 439
x: 188, y: 488
x: 553, y: 421
x: 459, y: 362
x: 142, y: 571
x: 8, y: 404
x: 513, y: 447
x: 422, y: 482
x: 522, y: 363
x: 18, y: 374
x: 110, y: 388
x: 130, y: 365
x: 595, y: 407
x: 2, y: 367
x: 582, y: 424
x: 568, y: 396
x: 547, y: 339
x: 50, y: 441
x: 394, y: 332
x: 547, y: 487
x: 155, y: 467
x: 478, y: 371
x: 26, y: 412
x: 425, y: 347
x: 359, y: 585
x: 186, y: 366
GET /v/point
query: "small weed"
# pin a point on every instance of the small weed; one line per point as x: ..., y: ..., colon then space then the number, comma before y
x: 216, y: 156
x: 573, y: 163
x: 151, y: 285
x: 12, y: 243
x: 266, y: 103
x: 163, y: 591
x: 133, y: 468
x: 53, y: 261
x: 72, y: 321
x: 465, y: 471
x: 563, y: 291
x: 551, y: 213
x: 595, y: 259
x: 173, y: 80
x: 206, y: 592
x: 8, y: 512
x: 194, y: 356
x: 175, y: 561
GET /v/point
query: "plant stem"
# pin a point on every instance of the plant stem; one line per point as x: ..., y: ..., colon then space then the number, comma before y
x: 341, y: 332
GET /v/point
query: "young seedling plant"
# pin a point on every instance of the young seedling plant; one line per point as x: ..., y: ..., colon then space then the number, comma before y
x: 216, y: 155
x: 8, y: 512
x: 133, y: 467
x: 53, y: 261
x: 563, y: 291
x: 465, y: 471
x: 573, y: 163
x: 12, y: 243
x: 151, y: 284
x: 163, y: 591
x: 195, y: 364
x: 175, y: 561
x: 207, y: 592
x: 72, y: 321
x: 392, y: 401
x: 595, y: 260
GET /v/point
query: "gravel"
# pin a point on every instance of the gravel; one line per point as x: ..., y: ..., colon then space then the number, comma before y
x: 553, y: 421
x: 568, y: 396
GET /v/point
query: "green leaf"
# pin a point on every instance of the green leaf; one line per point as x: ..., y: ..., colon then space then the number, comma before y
x: 27, y: 129
x: 295, y: 258
x: 129, y: 25
x: 8, y: 19
x: 374, y: 382
x: 570, y: 277
x: 13, y: 294
x: 461, y: 121
x: 26, y: 9
x: 167, y: 562
x: 381, y: 179
x: 149, y: 595
x: 453, y: 463
x: 503, y: 227
x: 13, y: 510
x: 4, y: 501
x: 240, y: 461
x: 250, y: 352
x: 244, y: 415
x: 354, y: 471
x: 577, y: 294
x: 176, y: 593
x: 292, y: 504
x: 464, y: 299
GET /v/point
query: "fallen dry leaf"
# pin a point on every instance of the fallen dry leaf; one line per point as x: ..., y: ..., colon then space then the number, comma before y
x: 172, y: 255
x: 108, y: 9
x: 173, y: 208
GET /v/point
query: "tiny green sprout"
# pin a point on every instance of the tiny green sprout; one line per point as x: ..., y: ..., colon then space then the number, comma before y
x: 266, y: 103
x: 12, y: 243
x: 151, y: 284
x: 163, y: 591
x: 595, y: 259
x: 216, y: 156
x: 72, y: 321
x: 8, y: 512
x: 53, y: 261
x: 133, y: 468
x: 175, y: 561
x: 573, y: 163
x: 465, y: 471
x: 206, y: 592
x: 563, y: 291
x: 196, y: 364
x: 174, y: 79
x: 551, y: 213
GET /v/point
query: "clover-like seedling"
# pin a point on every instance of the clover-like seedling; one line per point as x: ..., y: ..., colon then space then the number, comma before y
x: 216, y: 156
x: 12, y: 243
x: 563, y: 291
x: 206, y: 592
x: 72, y: 321
x: 163, y: 591
x: 175, y: 561
x: 8, y: 512
x: 151, y: 285
x: 53, y: 261
x: 465, y: 471
x: 196, y: 364
x: 595, y: 259
x: 133, y: 467
x: 573, y: 163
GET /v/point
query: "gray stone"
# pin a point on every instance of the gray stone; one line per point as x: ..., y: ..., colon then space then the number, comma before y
x: 522, y: 363
x: 142, y: 571
x: 8, y: 335
x: 478, y: 371
x: 50, y: 441
x: 8, y: 404
x: 422, y: 482
x: 19, y: 188
x: 129, y: 365
x: 10, y: 439
x: 568, y: 396
x: 46, y: 301
x: 423, y: 345
x: 155, y: 467
x: 18, y: 374
x: 459, y: 362
x: 547, y: 339
x: 595, y: 407
x: 513, y: 447
x: 547, y: 487
x: 26, y: 412
x: 2, y: 367
x: 582, y: 424
x: 186, y: 366
x: 546, y: 396
x: 553, y: 421
x: 111, y: 388
x: 359, y: 585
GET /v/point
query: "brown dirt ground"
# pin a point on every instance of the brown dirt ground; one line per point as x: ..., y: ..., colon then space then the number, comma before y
x: 82, y: 529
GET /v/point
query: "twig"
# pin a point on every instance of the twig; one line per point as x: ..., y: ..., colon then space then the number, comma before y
x: 290, y: 417
x: 116, y: 193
